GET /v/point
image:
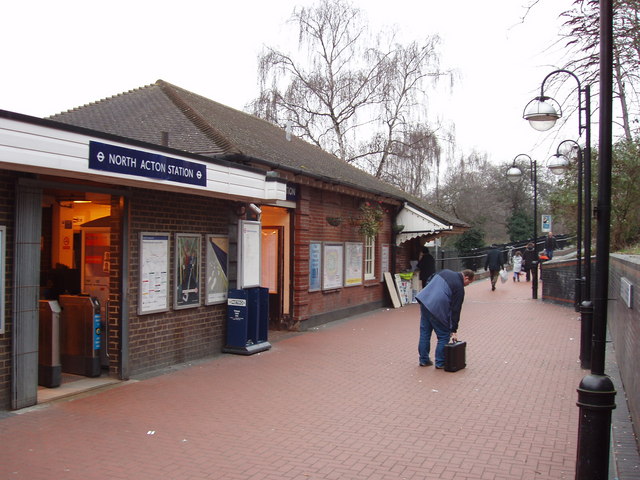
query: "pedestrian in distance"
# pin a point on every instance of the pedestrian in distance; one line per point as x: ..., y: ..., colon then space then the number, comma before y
x: 440, y: 306
x: 426, y: 265
x: 516, y: 260
x: 494, y: 264
x: 529, y: 259
x: 550, y: 244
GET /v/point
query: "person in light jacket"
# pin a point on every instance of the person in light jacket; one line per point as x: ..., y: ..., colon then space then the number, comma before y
x: 517, y: 265
x: 440, y: 306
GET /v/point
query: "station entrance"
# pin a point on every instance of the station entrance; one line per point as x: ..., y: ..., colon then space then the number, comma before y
x: 74, y: 301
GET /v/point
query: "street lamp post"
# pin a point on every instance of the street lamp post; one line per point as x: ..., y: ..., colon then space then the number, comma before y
x: 541, y: 113
x: 514, y: 174
x: 596, y: 392
x: 558, y: 165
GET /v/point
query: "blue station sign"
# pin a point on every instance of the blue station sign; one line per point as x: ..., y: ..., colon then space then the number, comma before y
x: 111, y: 158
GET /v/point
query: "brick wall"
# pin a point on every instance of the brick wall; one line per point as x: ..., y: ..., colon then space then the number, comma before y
x: 7, y: 212
x: 175, y: 336
x: 558, y: 279
x: 624, y: 326
x: 314, y: 206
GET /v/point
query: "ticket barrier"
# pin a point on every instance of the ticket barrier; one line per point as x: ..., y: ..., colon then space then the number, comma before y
x: 49, y: 367
x: 247, y: 321
x: 80, y: 328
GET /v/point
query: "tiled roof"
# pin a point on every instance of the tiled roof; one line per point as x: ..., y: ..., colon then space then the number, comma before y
x: 199, y: 125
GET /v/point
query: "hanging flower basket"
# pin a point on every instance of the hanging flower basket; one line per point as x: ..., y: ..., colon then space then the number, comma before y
x: 334, y: 221
x: 370, y: 220
x: 397, y: 228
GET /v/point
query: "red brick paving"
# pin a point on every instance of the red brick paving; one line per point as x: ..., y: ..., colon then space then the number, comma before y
x: 345, y: 401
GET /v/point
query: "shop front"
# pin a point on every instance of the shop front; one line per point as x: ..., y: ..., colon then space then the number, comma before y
x: 118, y: 254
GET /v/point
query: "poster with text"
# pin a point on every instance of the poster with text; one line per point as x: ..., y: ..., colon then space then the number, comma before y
x: 153, y: 295
x: 384, y: 261
x: 217, y: 269
x: 352, y: 264
x: 250, y: 265
x: 315, y: 259
x: 332, y: 265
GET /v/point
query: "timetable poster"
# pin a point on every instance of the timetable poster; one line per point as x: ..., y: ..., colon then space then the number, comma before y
x: 154, y: 273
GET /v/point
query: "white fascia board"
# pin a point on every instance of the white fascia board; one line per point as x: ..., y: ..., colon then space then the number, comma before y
x: 46, y: 150
x: 417, y: 223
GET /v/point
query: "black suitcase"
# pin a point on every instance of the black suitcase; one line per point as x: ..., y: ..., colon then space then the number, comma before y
x: 455, y: 356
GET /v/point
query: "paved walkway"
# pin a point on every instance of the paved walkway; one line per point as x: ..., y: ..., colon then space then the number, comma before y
x: 345, y: 401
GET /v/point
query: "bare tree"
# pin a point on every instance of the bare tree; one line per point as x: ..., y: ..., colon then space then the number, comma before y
x: 344, y: 86
x: 413, y: 164
x: 581, y: 33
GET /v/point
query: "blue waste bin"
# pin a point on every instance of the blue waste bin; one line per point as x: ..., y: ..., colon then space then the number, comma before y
x: 247, y: 321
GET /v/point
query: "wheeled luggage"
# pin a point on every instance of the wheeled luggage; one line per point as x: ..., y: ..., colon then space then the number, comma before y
x: 455, y: 356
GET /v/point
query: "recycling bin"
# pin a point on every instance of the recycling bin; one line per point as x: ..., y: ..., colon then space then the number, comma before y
x: 247, y: 321
x: 80, y: 326
x: 49, y: 367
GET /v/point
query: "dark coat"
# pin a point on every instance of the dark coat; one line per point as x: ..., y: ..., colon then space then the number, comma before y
x: 494, y: 260
x: 550, y: 243
x: 427, y: 266
x: 528, y: 257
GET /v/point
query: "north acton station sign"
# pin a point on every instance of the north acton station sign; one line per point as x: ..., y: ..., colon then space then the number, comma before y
x: 112, y: 158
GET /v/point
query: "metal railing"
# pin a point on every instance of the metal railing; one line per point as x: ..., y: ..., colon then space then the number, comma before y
x: 475, y: 260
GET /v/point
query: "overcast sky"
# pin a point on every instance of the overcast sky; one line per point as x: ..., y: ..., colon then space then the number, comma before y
x: 59, y: 55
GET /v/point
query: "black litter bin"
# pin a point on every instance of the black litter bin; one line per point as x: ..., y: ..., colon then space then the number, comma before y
x: 247, y: 321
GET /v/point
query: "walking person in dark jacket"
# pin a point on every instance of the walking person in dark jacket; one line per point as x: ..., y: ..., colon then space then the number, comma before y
x: 426, y: 265
x: 494, y: 264
x: 440, y: 306
x: 550, y: 244
x: 529, y: 259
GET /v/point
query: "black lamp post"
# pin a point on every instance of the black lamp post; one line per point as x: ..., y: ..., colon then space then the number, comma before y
x: 596, y: 393
x: 514, y: 174
x: 542, y: 115
x: 558, y: 165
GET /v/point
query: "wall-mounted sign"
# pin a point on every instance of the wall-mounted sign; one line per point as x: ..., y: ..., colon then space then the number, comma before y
x: 250, y: 261
x: 187, y: 271
x: 217, y: 269
x: 626, y: 291
x: 332, y: 265
x: 353, y: 264
x: 3, y: 249
x: 154, y: 273
x: 315, y: 264
x: 112, y: 158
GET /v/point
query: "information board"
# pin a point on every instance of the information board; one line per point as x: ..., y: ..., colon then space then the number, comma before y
x: 332, y: 265
x: 153, y: 292
x: 250, y: 236
x: 3, y: 249
x: 315, y: 264
x: 353, y: 264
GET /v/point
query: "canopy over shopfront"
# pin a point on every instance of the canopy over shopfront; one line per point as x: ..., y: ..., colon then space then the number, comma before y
x: 417, y: 223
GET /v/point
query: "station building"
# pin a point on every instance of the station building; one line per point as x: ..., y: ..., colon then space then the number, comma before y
x: 131, y: 218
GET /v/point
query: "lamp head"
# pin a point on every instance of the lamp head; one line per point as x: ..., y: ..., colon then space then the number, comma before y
x: 514, y: 174
x: 558, y: 164
x: 541, y: 113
